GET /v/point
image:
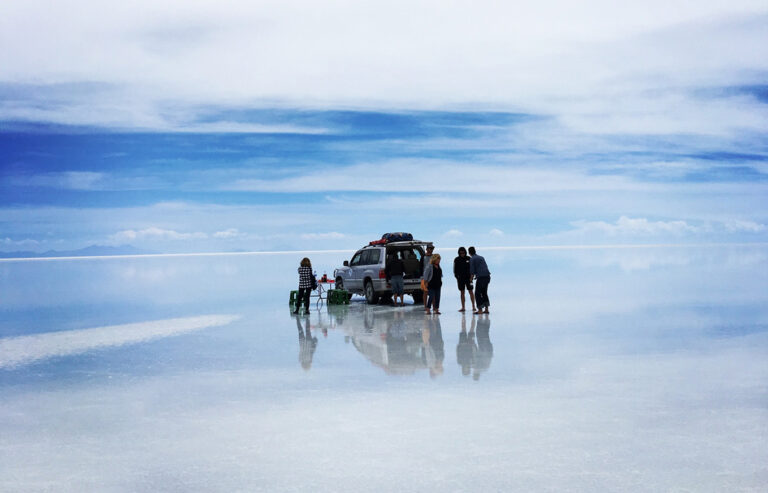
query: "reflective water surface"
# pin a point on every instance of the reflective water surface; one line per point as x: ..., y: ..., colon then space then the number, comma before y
x: 611, y: 369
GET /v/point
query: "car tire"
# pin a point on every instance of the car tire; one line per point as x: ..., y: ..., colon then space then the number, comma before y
x: 370, y: 294
x: 339, y: 283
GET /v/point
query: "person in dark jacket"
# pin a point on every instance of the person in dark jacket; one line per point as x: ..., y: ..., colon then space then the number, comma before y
x: 463, y: 277
x: 434, y: 278
x: 479, y: 269
x: 395, y: 270
x: 307, y: 283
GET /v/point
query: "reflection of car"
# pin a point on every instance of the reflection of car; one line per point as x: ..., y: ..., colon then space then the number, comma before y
x: 400, y: 341
x: 364, y: 274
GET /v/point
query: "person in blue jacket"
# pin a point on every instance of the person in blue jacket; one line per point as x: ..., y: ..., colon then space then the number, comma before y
x: 479, y: 270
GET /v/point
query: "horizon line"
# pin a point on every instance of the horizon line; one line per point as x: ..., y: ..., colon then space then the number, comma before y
x: 288, y: 252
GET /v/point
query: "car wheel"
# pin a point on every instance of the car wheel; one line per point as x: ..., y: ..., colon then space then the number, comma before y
x: 370, y: 294
x: 339, y: 283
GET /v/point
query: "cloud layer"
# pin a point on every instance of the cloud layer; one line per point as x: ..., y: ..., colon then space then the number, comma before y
x: 279, y: 125
x: 602, y: 67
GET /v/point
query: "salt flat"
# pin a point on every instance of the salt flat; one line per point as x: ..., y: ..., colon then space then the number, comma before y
x: 639, y: 369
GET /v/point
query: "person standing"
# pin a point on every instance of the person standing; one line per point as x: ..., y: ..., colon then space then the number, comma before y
x: 307, y: 283
x: 479, y: 269
x: 463, y: 277
x: 434, y: 279
x: 426, y: 265
x: 395, y: 270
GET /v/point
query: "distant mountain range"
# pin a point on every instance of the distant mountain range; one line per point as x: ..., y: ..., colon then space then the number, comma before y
x: 89, y: 251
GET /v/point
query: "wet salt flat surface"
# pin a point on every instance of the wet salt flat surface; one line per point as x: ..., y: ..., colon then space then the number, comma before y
x: 610, y: 369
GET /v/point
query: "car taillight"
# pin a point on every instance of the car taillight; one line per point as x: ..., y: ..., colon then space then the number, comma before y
x: 382, y: 274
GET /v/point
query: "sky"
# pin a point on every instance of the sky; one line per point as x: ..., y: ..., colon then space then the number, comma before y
x: 193, y: 126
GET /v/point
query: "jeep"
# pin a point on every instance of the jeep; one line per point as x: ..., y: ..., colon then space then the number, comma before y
x: 364, y: 273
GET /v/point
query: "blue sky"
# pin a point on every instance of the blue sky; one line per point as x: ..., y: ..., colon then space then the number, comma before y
x: 179, y: 126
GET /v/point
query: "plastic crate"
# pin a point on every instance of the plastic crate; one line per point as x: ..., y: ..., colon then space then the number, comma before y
x: 338, y: 297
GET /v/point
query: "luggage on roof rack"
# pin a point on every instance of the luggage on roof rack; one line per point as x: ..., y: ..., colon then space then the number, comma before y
x: 389, y: 237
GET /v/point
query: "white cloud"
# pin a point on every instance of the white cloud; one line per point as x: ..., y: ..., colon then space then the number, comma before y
x: 228, y: 234
x: 546, y: 56
x: 27, y: 242
x: 333, y: 235
x: 626, y: 226
x: 155, y: 233
x: 453, y: 233
x: 496, y: 232
x: 737, y: 225
x: 68, y: 180
x: 426, y: 175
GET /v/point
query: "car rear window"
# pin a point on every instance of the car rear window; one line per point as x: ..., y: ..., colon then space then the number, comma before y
x: 409, y: 253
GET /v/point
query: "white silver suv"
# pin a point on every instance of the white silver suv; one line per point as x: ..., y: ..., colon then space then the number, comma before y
x: 365, y: 273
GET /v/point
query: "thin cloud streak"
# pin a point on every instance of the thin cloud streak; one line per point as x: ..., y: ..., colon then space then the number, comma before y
x: 425, y: 175
x: 617, y: 246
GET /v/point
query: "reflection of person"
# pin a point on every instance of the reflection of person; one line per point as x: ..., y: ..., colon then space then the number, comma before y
x: 463, y: 277
x: 484, y: 346
x: 479, y: 269
x: 307, y: 343
x: 397, y: 327
x: 466, y: 348
x: 433, y: 347
x: 394, y: 271
x: 306, y: 284
x: 434, y: 278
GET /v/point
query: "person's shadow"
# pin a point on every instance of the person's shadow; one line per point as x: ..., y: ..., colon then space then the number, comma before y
x: 307, y: 343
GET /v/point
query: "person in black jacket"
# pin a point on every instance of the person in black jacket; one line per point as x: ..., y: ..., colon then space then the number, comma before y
x: 463, y: 277
x: 395, y: 270
x: 434, y: 278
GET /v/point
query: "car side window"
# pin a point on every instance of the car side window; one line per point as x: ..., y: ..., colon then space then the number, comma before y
x: 356, y: 259
x: 374, y: 256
